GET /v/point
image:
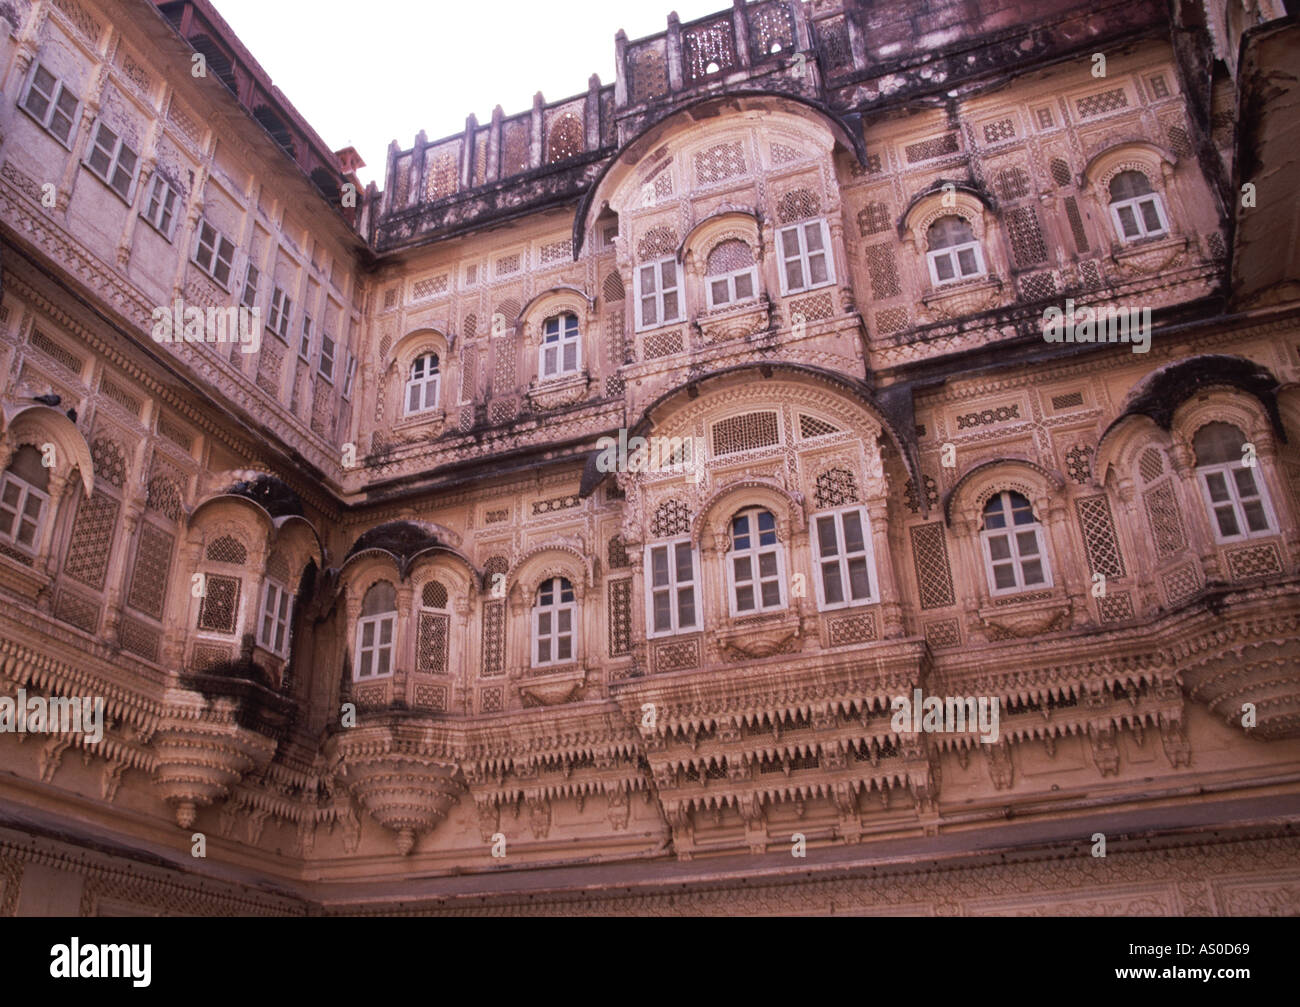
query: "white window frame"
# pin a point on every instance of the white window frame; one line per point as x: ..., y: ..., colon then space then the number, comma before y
x: 564, y: 340
x: 349, y: 375
x: 1133, y: 204
x: 1010, y: 531
x: 554, y: 609
x: 1203, y: 473
x: 804, y: 257
x: 252, y: 281
x: 54, y: 98
x: 378, y: 622
x: 328, y: 375
x: 214, y: 250
x: 277, y: 318
x: 753, y: 552
x: 841, y: 559
x: 952, y: 252
x: 730, y: 280
x: 277, y: 609
x: 26, y: 493
x: 422, y: 385
x: 159, y: 209
x: 673, y: 587
x: 658, y: 294
x: 112, y: 155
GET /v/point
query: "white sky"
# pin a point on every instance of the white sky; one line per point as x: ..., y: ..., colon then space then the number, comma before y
x: 365, y: 74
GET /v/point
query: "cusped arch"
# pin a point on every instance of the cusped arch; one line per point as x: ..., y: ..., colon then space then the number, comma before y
x: 1149, y: 159
x: 554, y: 559
x: 553, y: 301
x: 415, y: 344
x: 944, y: 199
x: 727, y: 223
x: 1223, y: 404
x: 972, y: 490
x: 40, y: 425
x: 1120, y: 448
x: 723, y: 503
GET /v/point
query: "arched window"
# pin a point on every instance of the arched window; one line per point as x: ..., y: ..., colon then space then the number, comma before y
x: 24, y: 500
x: 953, y: 254
x: 376, y: 632
x: 560, y: 346
x: 672, y: 605
x: 553, y: 618
x: 732, y: 276
x: 755, y: 566
x: 844, y: 558
x: 1137, y: 211
x: 277, y: 611
x: 1014, y: 553
x: 1235, y: 496
x: 422, y: 384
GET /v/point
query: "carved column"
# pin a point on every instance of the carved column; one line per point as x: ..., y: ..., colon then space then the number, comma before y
x: 640, y: 645
x: 891, y: 609
x: 404, y: 645
x: 1203, y: 542
x: 674, y: 44
x: 461, y: 652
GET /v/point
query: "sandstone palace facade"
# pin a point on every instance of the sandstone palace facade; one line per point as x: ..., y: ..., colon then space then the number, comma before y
x: 376, y: 625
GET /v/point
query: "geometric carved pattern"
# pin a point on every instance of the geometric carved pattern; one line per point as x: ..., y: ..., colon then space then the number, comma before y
x: 138, y: 638
x: 164, y: 496
x: 1060, y: 171
x: 1254, y: 561
x: 1012, y: 183
x: 891, y: 320
x: 1115, y: 607
x: 1038, y: 286
x: 53, y: 350
x: 431, y: 697
x: 431, y: 644
x: 859, y: 628
x: 1107, y: 101
x: 1026, y: 236
x: 999, y: 414
x: 1003, y: 129
x: 797, y: 204
x: 434, y: 595
x: 671, y: 518
x: 494, y: 637
x: 930, y: 558
x: 220, y: 608
x: 873, y: 219
x: 944, y: 633
x: 663, y: 344
x: 1078, y: 464
x: 1067, y: 400
x: 745, y: 433
x: 206, y: 656
x: 620, y: 617
x: 708, y: 48
x: 677, y: 655
x: 490, y: 700
x: 153, y: 559
x: 810, y: 426
x: 77, y: 610
x: 1151, y: 466
x: 1099, y: 536
x: 813, y: 308
x: 719, y: 162
x: 836, y: 487
x: 1076, y: 223
x: 927, y: 149
x: 909, y: 494
x: 109, y: 461
x: 1166, y: 519
x: 92, y: 540
x: 657, y: 242
x: 227, y: 549
x: 1181, y: 583
x: 882, y: 270
x: 617, y: 553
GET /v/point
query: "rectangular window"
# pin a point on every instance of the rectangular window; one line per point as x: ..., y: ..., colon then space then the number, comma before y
x: 160, y: 210
x: 1140, y: 217
x: 671, y: 602
x: 348, y: 376
x: 375, y: 646
x: 657, y: 299
x: 278, y: 319
x: 326, y: 363
x: 957, y: 262
x: 252, y: 279
x: 1235, y: 502
x: 50, y: 102
x: 21, y: 508
x: 214, y: 253
x: 273, y: 628
x: 112, y: 160
x: 559, y: 351
x: 805, y: 256
x: 846, y: 567
x: 756, y: 567
x: 732, y: 288
x: 304, y: 344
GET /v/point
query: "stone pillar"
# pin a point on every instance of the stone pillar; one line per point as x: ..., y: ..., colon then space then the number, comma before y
x: 1182, y: 460
x: 891, y: 610
x: 674, y: 54
x: 1064, y: 555
x: 537, y: 146
x: 857, y: 42
x: 802, y: 37
x: 739, y: 24
x: 494, y: 145
x: 591, y: 114
x: 467, y: 153
x: 620, y: 69
x: 461, y: 652
x: 640, y: 644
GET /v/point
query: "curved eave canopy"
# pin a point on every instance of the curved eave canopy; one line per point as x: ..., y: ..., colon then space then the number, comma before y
x: 707, y: 108
x: 65, y: 429
x: 1052, y: 477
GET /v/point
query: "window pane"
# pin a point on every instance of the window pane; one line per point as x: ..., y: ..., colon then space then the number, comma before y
x: 12, y: 492
x: 1256, y: 519
x: 1227, y: 521
x: 789, y: 243
x: 686, y: 607
x: 859, y: 583
x: 1218, y: 486
x: 413, y: 399
x: 684, y: 574
x: 1245, y: 482
x: 741, y: 566
x: 571, y: 357
x: 1004, y: 576
x: 740, y: 532
x: 565, y: 648
x: 999, y: 547
x: 744, y: 286
x: 831, y: 583
x: 363, y: 670
x: 544, y: 623
x: 719, y: 288
x: 1033, y: 571
x: 565, y: 620
x: 853, y: 541
x: 543, y: 651
x: 793, y: 275
x: 549, y: 365
x: 384, y: 655
x: 26, y: 532
x: 385, y: 632
x: 767, y: 564
x: 966, y: 261
x: 1150, y: 215
x: 744, y: 598
x: 1027, y: 543
x: 663, y: 611
x: 826, y: 537
x: 368, y: 634
x: 1128, y: 222
x: 817, y: 268
x: 812, y: 236
x: 668, y: 273
x: 648, y: 315
x: 771, y: 593
x: 648, y: 280
x: 943, y: 266
x: 670, y: 306
x: 659, y: 565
